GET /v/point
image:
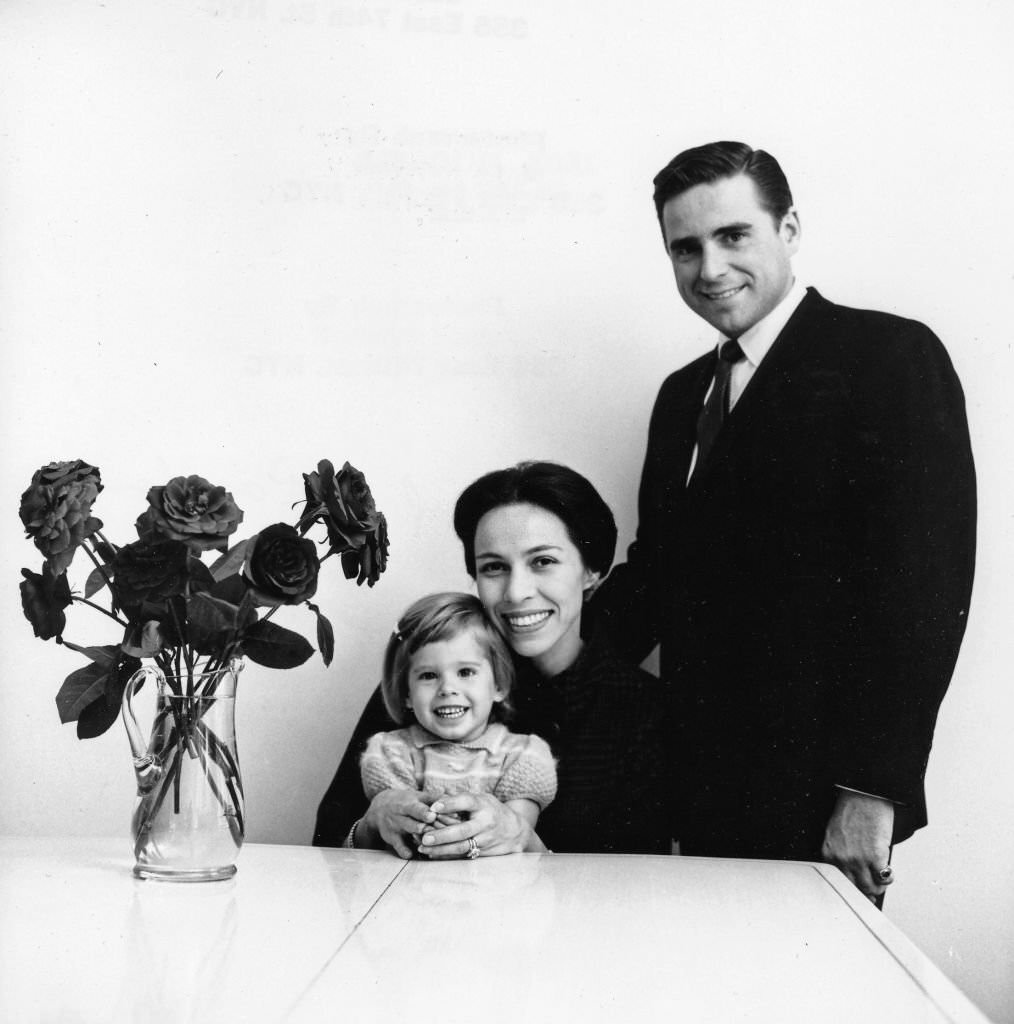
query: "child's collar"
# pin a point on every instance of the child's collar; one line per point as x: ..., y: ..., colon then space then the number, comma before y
x: 490, y: 740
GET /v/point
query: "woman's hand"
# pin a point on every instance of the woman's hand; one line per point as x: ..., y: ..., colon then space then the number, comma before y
x: 395, y: 817
x: 497, y: 828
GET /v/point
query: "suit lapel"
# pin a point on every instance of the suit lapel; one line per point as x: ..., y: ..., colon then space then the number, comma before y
x: 788, y: 352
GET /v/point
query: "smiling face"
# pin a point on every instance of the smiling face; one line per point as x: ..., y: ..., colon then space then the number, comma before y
x: 532, y: 580
x: 451, y: 687
x: 731, y: 260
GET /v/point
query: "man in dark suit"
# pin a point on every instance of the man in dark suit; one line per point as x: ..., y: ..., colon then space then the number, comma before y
x: 805, y: 545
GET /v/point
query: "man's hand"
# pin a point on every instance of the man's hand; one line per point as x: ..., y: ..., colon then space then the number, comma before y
x: 495, y: 827
x: 394, y: 817
x: 858, y: 840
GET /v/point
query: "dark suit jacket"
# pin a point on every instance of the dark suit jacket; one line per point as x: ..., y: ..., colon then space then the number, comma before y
x: 810, y: 587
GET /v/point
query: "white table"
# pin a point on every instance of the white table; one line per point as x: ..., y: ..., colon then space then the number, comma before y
x: 303, y: 934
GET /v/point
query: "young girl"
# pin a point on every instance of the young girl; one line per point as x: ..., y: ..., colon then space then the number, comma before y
x: 447, y: 678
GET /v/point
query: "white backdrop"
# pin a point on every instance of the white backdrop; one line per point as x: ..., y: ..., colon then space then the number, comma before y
x: 239, y: 237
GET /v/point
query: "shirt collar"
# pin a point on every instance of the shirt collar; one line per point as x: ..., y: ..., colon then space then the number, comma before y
x: 490, y: 740
x: 756, y: 341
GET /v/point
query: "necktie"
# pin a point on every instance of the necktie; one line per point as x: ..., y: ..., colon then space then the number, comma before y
x: 716, y: 408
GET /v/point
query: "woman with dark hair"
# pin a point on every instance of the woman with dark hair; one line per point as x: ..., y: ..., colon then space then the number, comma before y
x: 538, y: 539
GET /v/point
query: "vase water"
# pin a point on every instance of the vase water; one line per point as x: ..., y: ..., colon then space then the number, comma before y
x: 188, y: 824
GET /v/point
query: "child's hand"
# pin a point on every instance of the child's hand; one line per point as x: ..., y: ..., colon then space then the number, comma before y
x: 442, y: 819
x: 449, y: 818
x: 397, y: 815
x: 496, y: 828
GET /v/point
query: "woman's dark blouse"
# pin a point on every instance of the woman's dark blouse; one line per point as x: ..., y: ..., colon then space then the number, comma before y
x: 608, y: 725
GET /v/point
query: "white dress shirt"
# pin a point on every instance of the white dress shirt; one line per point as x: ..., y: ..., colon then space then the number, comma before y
x: 755, y: 344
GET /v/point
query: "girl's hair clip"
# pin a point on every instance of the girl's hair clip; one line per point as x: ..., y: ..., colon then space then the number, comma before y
x: 397, y: 635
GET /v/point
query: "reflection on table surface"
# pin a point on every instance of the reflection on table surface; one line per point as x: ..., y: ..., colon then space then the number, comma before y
x: 307, y: 934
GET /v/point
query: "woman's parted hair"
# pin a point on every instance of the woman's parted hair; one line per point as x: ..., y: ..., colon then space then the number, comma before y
x: 555, y: 488
x: 431, y: 619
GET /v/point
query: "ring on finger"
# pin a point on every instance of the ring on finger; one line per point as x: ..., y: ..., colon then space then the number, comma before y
x: 886, y: 874
x: 473, y: 849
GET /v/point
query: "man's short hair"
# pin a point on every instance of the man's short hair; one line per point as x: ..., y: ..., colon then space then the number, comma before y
x: 703, y: 165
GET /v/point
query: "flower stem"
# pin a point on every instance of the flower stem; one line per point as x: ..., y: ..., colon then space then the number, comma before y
x: 184, y: 648
x: 165, y: 663
x: 105, y: 540
x: 99, y: 608
x: 89, y: 551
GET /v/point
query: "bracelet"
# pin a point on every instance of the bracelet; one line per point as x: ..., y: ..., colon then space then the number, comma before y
x: 350, y: 839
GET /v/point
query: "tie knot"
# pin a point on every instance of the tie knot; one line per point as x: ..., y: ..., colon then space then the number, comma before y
x: 731, y: 352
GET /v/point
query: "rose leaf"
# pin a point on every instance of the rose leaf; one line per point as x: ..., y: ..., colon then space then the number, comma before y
x: 105, y: 657
x: 274, y: 646
x: 210, y: 620
x: 201, y: 577
x: 229, y: 564
x: 232, y: 589
x: 97, y: 579
x: 79, y: 689
x: 325, y: 634
x: 95, y: 719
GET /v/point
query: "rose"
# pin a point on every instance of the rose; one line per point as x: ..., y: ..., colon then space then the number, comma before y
x: 343, y: 502
x: 56, y: 510
x: 43, y: 599
x: 149, y: 571
x: 192, y: 510
x: 369, y: 561
x: 281, y: 567
x: 355, y: 529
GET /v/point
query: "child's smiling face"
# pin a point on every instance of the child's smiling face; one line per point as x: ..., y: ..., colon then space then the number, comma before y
x: 451, y: 687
